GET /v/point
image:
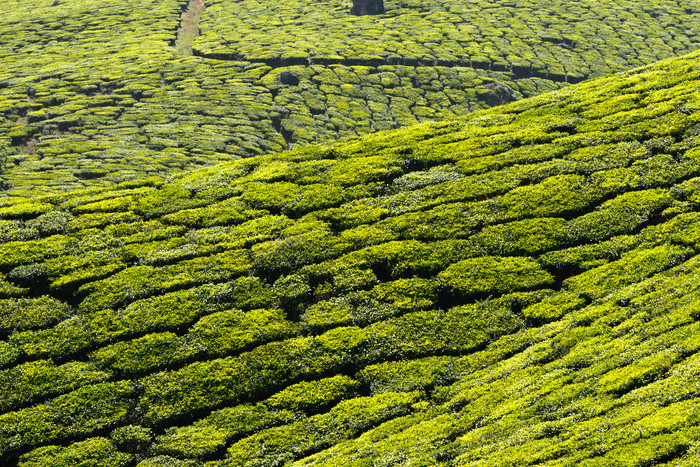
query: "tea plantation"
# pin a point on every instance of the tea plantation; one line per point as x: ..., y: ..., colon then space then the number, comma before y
x: 94, y: 93
x: 520, y: 286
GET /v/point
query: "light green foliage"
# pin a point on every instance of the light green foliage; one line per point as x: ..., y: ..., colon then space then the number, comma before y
x: 631, y: 268
x: 528, y: 236
x: 97, y: 452
x: 589, y: 256
x: 314, y: 396
x: 79, y: 413
x: 291, y: 199
x: 19, y: 314
x: 277, y: 446
x: 313, y: 244
x: 623, y: 214
x: 555, y: 196
x: 554, y: 307
x: 24, y: 210
x: 167, y: 461
x: 28, y: 382
x: 407, y: 294
x: 494, y: 274
x: 637, y: 374
x: 409, y: 375
x: 230, y: 211
x: 20, y: 253
x: 210, y: 434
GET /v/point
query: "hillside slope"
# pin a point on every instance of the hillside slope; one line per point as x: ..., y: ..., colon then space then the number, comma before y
x: 96, y: 92
x: 518, y: 287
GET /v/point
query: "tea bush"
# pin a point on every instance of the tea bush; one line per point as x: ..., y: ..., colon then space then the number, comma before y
x: 494, y: 274
x: 94, y: 451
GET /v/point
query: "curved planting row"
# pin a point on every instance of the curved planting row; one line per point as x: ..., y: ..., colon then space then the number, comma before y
x: 568, y: 40
x: 516, y: 287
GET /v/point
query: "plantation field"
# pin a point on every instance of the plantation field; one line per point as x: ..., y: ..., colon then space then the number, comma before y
x: 569, y: 40
x: 95, y: 93
x: 519, y: 286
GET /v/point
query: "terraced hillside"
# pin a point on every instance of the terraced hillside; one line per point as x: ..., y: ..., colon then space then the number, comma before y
x: 517, y: 287
x: 94, y: 93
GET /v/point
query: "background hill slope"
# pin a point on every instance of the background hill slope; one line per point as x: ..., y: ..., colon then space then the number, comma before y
x: 94, y: 93
x: 517, y: 287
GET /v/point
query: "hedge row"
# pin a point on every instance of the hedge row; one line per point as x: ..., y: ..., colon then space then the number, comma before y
x: 573, y: 39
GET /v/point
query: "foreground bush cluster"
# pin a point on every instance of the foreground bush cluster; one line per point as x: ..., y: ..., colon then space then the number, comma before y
x: 518, y: 287
x: 94, y: 93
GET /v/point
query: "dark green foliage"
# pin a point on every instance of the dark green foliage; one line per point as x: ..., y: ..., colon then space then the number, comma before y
x: 131, y: 438
x: 359, y: 308
x: 233, y: 330
x: 168, y: 311
x: 313, y: 244
x: 147, y: 280
x: 408, y: 294
x: 292, y: 291
x: 211, y: 383
x: 444, y: 32
x: 142, y: 354
x: 8, y: 353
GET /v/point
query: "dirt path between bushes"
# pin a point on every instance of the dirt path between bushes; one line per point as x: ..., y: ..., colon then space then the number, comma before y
x: 189, y: 26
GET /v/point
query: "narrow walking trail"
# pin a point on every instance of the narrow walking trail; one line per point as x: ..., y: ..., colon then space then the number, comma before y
x: 189, y: 26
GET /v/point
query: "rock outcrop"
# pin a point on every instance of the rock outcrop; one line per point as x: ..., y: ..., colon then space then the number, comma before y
x: 367, y: 7
x: 287, y: 77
